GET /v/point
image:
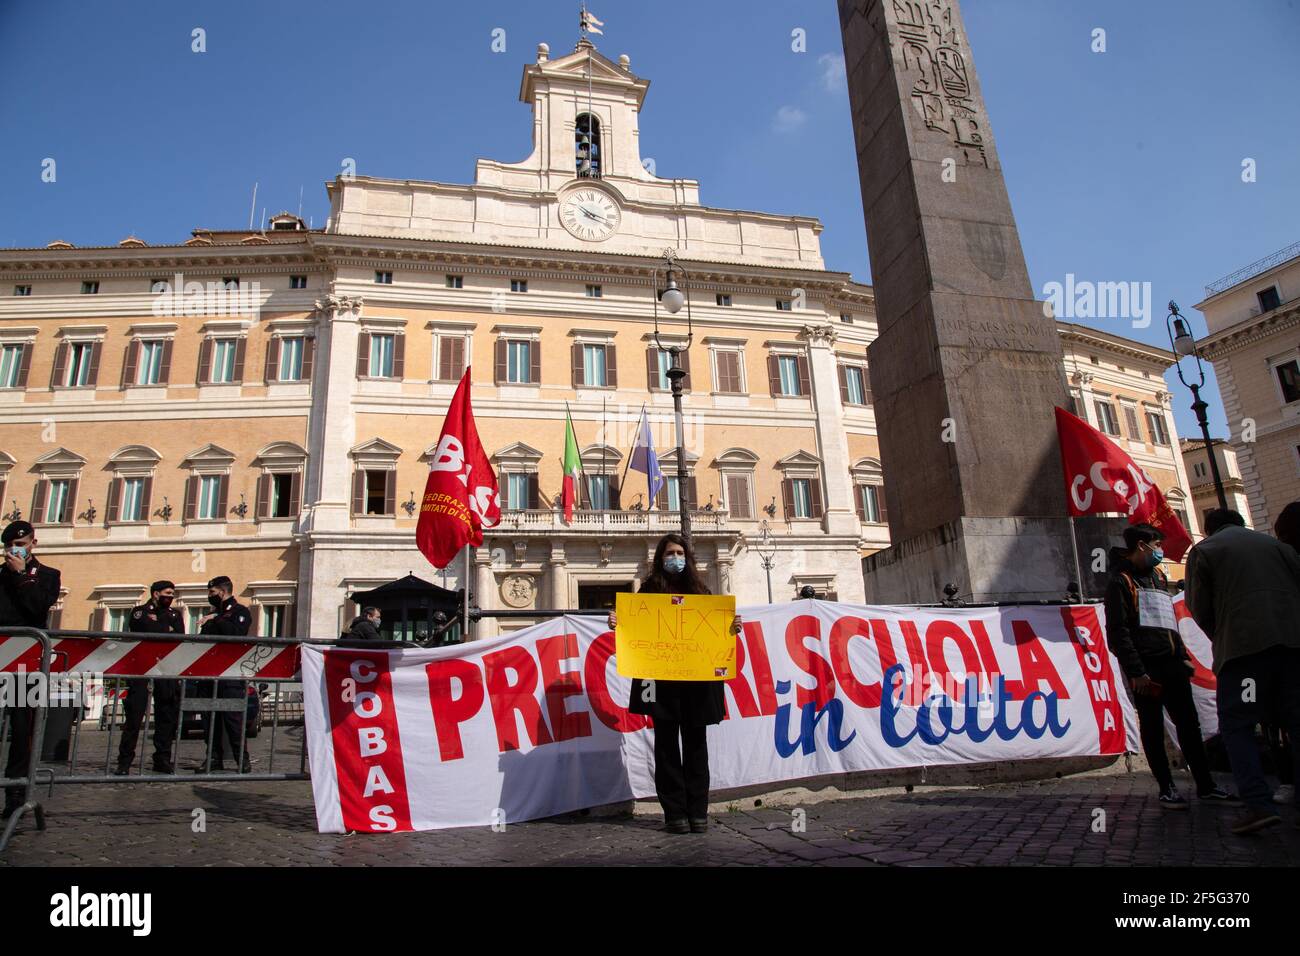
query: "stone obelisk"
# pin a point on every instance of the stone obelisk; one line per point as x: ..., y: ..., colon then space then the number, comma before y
x: 967, y: 367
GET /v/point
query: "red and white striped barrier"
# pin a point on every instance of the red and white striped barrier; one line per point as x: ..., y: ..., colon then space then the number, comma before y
x: 112, y: 657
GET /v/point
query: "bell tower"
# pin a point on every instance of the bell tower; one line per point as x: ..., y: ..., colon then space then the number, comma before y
x: 585, y: 113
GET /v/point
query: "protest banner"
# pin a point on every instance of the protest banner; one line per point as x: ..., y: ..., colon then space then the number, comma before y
x: 675, y: 636
x: 1203, y: 682
x: 535, y: 723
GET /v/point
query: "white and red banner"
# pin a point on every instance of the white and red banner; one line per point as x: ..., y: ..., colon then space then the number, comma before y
x: 534, y: 723
x: 160, y: 657
x: 1203, y: 682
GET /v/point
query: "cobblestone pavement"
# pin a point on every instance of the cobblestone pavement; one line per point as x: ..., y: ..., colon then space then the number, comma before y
x: 1049, y: 822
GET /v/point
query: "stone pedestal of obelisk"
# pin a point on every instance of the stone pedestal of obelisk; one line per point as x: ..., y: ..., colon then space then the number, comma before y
x: 967, y: 367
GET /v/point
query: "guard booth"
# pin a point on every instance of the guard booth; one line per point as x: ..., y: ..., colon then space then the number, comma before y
x: 412, y: 609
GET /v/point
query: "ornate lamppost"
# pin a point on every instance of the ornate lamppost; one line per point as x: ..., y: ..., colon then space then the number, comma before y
x: 1183, y: 344
x: 672, y: 298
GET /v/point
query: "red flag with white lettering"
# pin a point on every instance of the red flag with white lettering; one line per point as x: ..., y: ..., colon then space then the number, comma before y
x: 461, y: 496
x: 1100, y: 477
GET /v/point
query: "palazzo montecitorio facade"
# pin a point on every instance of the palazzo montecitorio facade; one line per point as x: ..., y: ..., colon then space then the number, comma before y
x: 263, y: 403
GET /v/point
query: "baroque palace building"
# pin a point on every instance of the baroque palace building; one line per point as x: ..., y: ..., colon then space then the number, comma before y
x: 263, y: 404
x: 1253, y: 318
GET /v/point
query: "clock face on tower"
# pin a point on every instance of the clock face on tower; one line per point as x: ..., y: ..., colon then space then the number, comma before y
x: 590, y: 214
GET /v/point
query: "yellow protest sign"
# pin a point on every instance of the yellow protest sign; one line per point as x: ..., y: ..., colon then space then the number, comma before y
x: 675, y: 636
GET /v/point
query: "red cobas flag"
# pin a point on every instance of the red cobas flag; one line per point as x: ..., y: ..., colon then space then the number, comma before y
x: 1100, y: 478
x: 461, y: 496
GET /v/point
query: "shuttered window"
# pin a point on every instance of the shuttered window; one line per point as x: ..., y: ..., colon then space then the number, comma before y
x: 209, y: 497
x: 738, y: 504
x: 80, y: 361
x: 871, y: 504
x: 58, y: 507
x: 150, y: 363
x: 728, y: 363
x: 381, y: 355
x: 853, y: 388
x: 132, y: 502
x: 518, y: 361
x: 223, y: 361
x: 291, y: 354
x: 451, y: 358
x: 11, y: 363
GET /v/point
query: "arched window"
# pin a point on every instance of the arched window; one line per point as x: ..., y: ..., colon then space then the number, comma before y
x: 587, y: 146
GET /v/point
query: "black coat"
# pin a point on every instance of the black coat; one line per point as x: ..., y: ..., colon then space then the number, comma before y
x: 27, y: 596
x: 232, y: 619
x: 1131, y: 643
x: 149, y: 618
x: 364, y: 629
x: 694, y: 703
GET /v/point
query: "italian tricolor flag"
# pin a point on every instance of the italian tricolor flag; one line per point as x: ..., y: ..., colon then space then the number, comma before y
x: 572, y: 464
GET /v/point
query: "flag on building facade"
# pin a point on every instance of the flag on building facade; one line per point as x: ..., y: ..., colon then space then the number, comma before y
x: 461, y: 496
x: 644, y: 459
x: 1100, y: 478
x: 572, y: 465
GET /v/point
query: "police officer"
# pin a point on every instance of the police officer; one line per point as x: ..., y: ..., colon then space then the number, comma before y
x: 228, y: 618
x: 157, y: 616
x: 28, y: 589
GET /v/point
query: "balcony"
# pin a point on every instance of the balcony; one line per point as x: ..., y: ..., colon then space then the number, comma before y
x: 1257, y: 267
x: 608, y: 522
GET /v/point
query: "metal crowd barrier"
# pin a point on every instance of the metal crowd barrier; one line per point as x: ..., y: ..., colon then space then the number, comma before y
x: 38, y: 740
x: 201, y: 695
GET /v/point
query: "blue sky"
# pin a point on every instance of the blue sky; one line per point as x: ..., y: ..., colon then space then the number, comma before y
x: 1122, y: 166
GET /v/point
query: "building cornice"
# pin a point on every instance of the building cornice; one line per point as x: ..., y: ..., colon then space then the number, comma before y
x: 1249, y: 332
x: 157, y: 261
x: 1158, y: 358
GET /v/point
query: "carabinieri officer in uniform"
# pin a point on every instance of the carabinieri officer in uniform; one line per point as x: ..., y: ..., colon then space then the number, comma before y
x: 156, y: 616
x: 231, y: 619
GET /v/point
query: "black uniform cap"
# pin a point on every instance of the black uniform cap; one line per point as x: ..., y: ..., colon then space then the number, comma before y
x: 15, y: 530
x: 160, y: 586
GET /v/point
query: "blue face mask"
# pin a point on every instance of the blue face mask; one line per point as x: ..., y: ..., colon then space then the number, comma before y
x: 19, y: 552
x: 675, y: 563
x: 1157, y: 558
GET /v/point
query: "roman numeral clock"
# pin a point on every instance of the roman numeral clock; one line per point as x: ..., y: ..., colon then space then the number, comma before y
x: 590, y: 214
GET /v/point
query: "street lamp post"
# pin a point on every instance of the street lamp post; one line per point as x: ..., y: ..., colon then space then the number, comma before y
x: 766, y: 550
x: 673, y: 298
x: 1180, y: 339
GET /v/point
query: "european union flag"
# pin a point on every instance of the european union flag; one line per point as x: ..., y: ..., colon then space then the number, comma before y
x: 644, y: 459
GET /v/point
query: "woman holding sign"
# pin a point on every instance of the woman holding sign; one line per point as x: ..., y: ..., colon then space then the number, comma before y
x: 682, y: 710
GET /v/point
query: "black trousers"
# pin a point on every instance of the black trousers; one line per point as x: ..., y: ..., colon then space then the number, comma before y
x: 1272, y: 694
x: 21, y: 725
x: 229, y: 724
x: 166, y: 715
x: 1176, y: 698
x: 682, y: 769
